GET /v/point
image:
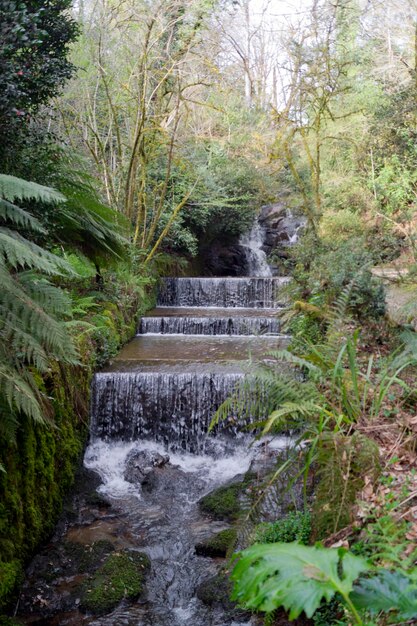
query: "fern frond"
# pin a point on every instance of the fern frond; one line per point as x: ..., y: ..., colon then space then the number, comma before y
x: 19, y: 252
x: 18, y: 394
x: 32, y: 334
x: 52, y: 299
x: 12, y: 188
x: 19, y: 217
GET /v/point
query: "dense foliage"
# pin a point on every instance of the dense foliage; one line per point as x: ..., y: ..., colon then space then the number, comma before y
x: 136, y: 136
x: 34, y: 62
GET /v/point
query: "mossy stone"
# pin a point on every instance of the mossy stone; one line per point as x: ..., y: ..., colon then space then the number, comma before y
x: 216, y: 592
x: 223, y: 503
x: 87, y: 558
x: 219, y: 545
x: 121, y: 576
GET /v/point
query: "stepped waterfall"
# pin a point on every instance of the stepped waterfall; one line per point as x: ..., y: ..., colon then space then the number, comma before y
x: 160, y: 394
x: 153, y: 457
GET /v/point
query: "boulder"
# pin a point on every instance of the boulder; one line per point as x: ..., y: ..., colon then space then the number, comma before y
x: 140, y: 464
x: 218, y: 545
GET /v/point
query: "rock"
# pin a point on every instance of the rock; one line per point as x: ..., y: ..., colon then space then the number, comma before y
x: 140, y: 464
x: 400, y: 299
x: 225, y: 503
x: 219, y: 545
x: 223, y: 260
x: 271, y: 213
x: 215, y: 592
x: 122, y: 575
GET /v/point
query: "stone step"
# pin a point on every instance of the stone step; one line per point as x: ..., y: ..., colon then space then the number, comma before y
x: 145, y: 350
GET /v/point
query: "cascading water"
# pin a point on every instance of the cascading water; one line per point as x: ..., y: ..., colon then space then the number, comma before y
x: 256, y: 257
x: 159, y: 395
x: 209, y: 325
x: 253, y: 292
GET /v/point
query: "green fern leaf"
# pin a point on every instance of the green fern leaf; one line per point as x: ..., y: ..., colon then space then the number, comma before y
x: 12, y: 188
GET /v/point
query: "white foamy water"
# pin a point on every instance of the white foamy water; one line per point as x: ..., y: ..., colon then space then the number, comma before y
x: 108, y: 459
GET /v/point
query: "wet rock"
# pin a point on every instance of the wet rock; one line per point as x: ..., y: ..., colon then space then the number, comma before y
x: 122, y: 575
x: 140, y: 464
x: 225, y: 503
x: 54, y: 577
x: 165, y: 481
x: 96, y: 499
x: 281, y: 227
x: 215, y: 592
x: 219, y: 545
x: 92, y: 555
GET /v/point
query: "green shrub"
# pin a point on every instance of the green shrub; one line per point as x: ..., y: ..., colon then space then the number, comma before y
x: 323, y: 270
x: 292, y: 527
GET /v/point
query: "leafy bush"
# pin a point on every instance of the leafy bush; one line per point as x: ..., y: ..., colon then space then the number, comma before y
x: 292, y: 527
x: 324, y: 269
x: 338, y: 226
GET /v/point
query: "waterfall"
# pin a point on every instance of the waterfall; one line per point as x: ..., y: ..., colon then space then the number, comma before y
x: 125, y: 405
x: 256, y: 257
x: 209, y: 325
x: 222, y: 292
x: 160, y: 393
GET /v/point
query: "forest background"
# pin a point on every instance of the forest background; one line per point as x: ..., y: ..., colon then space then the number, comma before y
x: 136, y: 134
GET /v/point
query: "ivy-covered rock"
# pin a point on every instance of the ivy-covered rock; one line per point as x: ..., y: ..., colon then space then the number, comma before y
x: 121, y: 576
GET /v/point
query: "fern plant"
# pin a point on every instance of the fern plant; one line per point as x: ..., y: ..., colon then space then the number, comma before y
x: 322, y: 392
x: 31, y: 308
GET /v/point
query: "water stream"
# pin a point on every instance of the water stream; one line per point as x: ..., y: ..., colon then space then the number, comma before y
x: 256, y: 257
x: 159, y: 396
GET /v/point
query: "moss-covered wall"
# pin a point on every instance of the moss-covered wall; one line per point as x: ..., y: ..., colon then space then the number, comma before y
x: 40, y: 464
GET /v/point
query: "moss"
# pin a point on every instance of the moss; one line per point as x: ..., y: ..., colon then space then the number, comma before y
x: 219, y: 545
x: 40, y: 465
x: 121, y: 576
x: 224, y: 503
x: 9, y: 621
x: 11, y: 574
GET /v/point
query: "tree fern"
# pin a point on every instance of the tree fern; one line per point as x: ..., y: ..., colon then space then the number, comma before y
x: 31, y: 333
x: 12, y: 188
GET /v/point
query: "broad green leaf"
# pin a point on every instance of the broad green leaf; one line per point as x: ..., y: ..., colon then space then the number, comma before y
x: 387, y: 591
x: 293, y: 576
